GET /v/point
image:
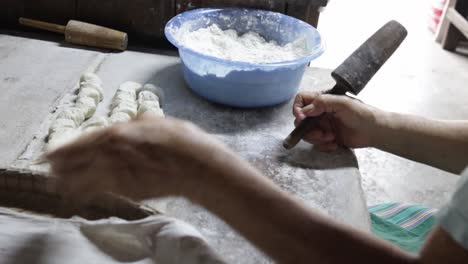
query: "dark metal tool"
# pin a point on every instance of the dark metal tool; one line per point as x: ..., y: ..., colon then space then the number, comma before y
x: 356, y: 71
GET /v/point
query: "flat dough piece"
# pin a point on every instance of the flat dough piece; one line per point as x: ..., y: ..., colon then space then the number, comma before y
x: 88, y: 92
x: 89, y: 76
x: 88, y: 105
x: 73, y: 113
x: 119, y: 117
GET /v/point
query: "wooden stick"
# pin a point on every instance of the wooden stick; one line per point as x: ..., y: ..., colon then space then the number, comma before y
x: 42, y: 25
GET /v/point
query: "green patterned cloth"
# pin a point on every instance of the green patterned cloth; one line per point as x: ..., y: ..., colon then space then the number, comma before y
x: 404, y: 225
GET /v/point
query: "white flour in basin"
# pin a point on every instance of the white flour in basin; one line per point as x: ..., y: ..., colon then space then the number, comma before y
x: 249, y: 47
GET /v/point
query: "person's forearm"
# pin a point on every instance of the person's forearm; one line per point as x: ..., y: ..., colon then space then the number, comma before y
x: 282, y: 226
x: 441, y: 144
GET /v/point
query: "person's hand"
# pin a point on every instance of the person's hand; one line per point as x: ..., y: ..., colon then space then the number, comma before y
x: 347, y: 122
x: 149, y: 157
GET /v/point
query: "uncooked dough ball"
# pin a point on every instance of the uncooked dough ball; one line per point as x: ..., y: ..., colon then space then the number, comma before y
x: 88, y: 92
x: 73, y: 113
x: 145, y: 106
x: 93, y: 85
x: 154, y: 89
x: 89, y: 76
x: 87, y: 104
x: 153, y: 111
x: 98, y: 121
x: 119, y: 117
x: 123, y: 97
x: 128, y: 108
x: 61, y: 124
x: 95, y: 123
x: 144, y: 96
x: 130, y: 86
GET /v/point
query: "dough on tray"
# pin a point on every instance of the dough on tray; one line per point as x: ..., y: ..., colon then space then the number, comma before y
x: 73, y: 113
x: 119, y: 117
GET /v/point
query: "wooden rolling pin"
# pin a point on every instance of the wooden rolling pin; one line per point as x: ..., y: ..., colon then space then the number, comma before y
x: 82, y: 33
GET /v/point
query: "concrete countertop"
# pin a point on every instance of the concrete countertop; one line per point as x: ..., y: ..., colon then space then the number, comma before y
x: 35, y: 76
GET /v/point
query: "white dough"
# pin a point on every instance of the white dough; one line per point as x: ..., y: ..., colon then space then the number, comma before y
x: 153, y: 111
x: 93, y: 85
x: 145, y: 106
x: 73, y: 113
x: 89, y: 76
x: 87, y: 104
x: 97, y: 121
x: 144, y: 96
x: 64, y: 137
x: 154, y: 89
x: 61, y: 124
x: 124, y: 100
x: 123, y: 97
x: 88, y: 92
x: 119, y: 117
x: 130, y: 86
x: 128, y: 108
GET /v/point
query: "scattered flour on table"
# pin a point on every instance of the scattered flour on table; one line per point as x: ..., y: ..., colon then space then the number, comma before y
x: 249, y: 47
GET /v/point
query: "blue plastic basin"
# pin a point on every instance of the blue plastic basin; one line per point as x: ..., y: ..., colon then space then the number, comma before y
x: 242, y: 84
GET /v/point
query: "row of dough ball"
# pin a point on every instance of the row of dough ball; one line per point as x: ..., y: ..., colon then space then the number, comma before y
x: 90, y: 93
x: 124, y: 104
x: 133, y: 99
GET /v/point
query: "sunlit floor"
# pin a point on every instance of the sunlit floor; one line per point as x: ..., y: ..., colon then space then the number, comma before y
x: 421, y: 78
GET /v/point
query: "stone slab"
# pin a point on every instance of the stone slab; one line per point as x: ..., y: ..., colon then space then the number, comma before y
x: 330, y: 183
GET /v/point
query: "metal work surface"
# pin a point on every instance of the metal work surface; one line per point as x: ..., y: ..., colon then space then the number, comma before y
x: 35, y: 75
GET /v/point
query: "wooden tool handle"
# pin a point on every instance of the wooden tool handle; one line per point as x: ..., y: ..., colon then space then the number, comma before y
x: 42, y: 25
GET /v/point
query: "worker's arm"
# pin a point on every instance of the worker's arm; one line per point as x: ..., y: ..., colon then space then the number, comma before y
x: 442, y: 144
x: 153, y: 158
